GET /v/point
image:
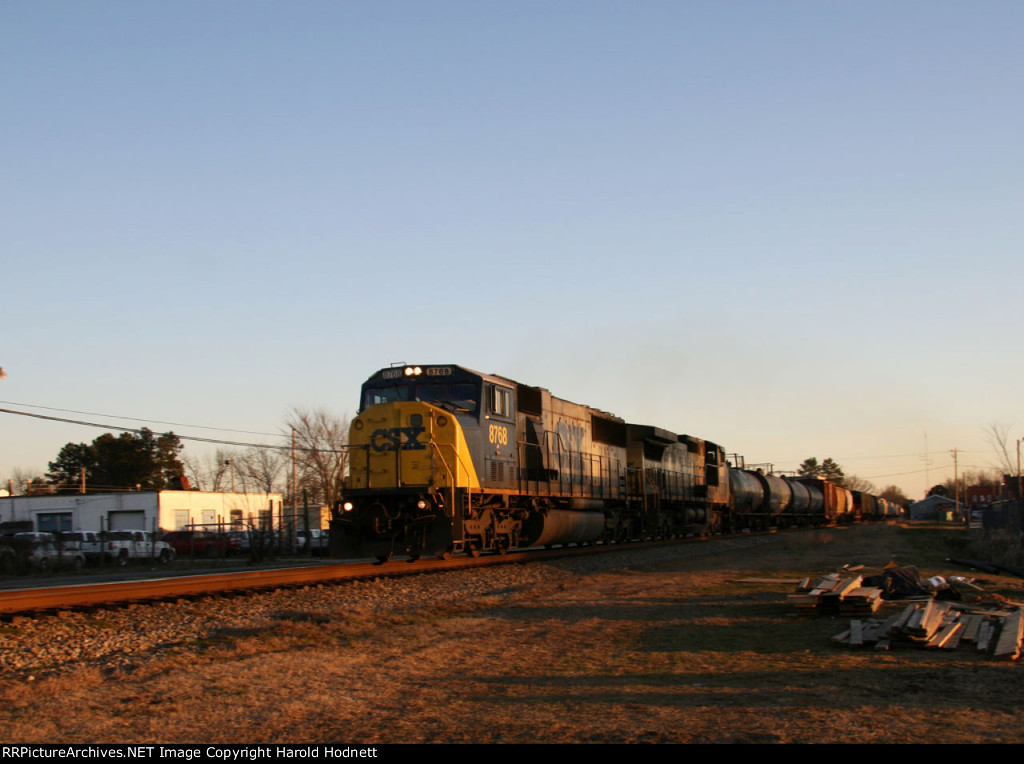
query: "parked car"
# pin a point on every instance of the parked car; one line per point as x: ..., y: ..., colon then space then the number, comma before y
x: 254, y: 542
x: 201, y: 543
x: 87, y: 543
x: 241, y: 541
x: 8, y: 557
x: 41, y: 552
x: 123, y: 546
x: 314, y: 540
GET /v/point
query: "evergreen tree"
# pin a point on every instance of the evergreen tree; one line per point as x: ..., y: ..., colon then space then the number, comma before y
x: 123, y: 462
x: 809, y: 468
x: 826, y: 470
x: 832, y: 471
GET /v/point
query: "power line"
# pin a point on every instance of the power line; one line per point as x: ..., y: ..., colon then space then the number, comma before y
x: 136, y: 419
x: 240, y: 444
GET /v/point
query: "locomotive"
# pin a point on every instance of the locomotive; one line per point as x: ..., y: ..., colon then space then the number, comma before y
x: 446, y: 460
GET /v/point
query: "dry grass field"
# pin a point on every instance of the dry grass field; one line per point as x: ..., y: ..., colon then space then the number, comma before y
x: 666, y: 648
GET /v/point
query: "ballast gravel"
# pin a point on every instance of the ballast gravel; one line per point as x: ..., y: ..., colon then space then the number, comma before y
x: 121, y: 636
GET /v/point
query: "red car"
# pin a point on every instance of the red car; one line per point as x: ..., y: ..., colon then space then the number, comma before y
x: 200, y: 543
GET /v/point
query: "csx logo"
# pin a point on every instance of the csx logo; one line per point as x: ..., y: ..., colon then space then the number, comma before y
x: 404, y: 438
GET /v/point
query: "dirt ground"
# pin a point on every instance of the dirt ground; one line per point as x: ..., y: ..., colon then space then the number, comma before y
x: 671, y: 651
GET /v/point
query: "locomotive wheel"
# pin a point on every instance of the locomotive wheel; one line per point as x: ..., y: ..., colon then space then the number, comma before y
x: 383, y: 558
x: 502, y: 546
x: 473, y: 548
x: 443, y: 554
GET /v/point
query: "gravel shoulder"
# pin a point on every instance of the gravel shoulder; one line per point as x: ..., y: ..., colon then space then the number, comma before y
x: 655, y: 645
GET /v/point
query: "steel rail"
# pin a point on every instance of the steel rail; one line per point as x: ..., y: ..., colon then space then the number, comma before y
x: 48, y: 598
x: 42, y: 598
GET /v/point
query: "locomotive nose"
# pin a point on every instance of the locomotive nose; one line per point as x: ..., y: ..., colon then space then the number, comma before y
x: 405, y: 444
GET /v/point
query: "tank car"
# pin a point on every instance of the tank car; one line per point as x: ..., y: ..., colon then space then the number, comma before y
x: 762, y: 501
x: 445, y: 459
x: 831, y: 503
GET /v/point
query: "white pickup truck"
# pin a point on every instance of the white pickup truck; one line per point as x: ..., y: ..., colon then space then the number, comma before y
x: 123, y: 546
x: 89, y: 544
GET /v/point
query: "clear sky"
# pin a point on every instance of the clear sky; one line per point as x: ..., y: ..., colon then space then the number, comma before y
x: 793, y: 228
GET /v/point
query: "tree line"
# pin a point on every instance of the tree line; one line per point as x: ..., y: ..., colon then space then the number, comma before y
x: 831, y: 471
x: 313, y: 467
x: 988, y: 480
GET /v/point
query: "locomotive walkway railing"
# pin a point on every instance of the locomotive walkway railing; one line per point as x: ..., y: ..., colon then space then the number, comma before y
x: 564, y: 472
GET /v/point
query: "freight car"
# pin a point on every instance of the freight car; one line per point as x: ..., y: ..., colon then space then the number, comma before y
x: 444, y: 459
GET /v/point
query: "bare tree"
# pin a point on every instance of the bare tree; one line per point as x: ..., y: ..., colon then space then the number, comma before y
x: 894, y: 494
x: 974, y: 479
x: 321, y: 456
x: 23, y: 480
x: 998, y: 436
x: 211, y: 472
x: 260, y: 468
x: 854, y: 483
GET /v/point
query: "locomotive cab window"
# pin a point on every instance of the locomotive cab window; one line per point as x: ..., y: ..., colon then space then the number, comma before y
x: 458, y: 397
x: 500, y: 401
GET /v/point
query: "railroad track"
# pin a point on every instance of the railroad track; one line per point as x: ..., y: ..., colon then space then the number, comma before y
x: 39, y: 599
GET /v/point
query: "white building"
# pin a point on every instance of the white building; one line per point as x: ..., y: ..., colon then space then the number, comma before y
x: 144, y: 510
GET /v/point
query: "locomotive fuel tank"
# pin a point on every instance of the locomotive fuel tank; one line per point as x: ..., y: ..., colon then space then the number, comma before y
x: 560, y: 526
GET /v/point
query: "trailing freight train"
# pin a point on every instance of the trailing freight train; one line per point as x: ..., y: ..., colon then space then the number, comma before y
x: 444, y: 459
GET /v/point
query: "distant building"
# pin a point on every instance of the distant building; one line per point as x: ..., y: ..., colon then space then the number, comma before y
x: 1011, y: 487
x: 934, y: 508
x: 982, y: 494
x: 143, y: 510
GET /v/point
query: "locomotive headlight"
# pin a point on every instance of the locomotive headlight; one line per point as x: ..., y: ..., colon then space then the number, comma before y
x: 421, y: 504
x: 413, y: 371
x: 358, y: 424
x: 348, y: 506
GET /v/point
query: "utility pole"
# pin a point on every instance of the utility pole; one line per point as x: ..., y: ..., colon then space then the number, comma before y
x: 927, y: 463
x: 1020, y: 497
x: 295, y: 495
x: 956, y: 479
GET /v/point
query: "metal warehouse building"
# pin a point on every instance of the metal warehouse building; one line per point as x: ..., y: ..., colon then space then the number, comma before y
x: 143, y: 510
